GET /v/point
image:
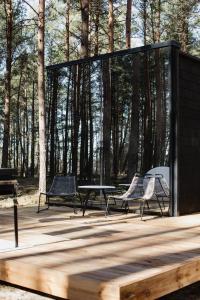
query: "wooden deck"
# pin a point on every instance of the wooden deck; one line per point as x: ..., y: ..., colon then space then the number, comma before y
x: 100, y: 258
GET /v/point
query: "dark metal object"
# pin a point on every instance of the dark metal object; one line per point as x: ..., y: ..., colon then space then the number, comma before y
x: 173, y: 90
x: 8, y: 186
x: 116, y: 53
x: 182, y: 100
x: 62, y: 186
x: 94, y: 188
x: 16, y: 221
x: 188, y: 135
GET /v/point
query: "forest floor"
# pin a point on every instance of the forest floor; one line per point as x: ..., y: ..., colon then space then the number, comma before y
x: 28, y: 196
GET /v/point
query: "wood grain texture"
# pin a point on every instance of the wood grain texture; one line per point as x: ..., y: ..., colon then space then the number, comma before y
x: 100, y: 258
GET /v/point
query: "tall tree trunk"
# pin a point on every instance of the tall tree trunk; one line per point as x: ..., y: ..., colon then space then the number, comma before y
x: 66, y: 128
x: 90, y: 161
x: 41, y: 97
x: 148, y: 145
x: 115, y: 124
x: 157, y: 21
x: 128, y: 23
x: 9, y: 29
x: 155, y: 8
x: 110, y: 27
x: 84, y: 4
x: 134, y: 131
x: 147, y: 117
x: 18, y: 134
x: 26, y: 138
x: 75, y: 116
x: 144, y: 16
x: 23, y: 147
x: 84, y: 124
x: 67, y: 32
x: 123, y: 135
x: 48, y: 109
x: 33, y: 131
x: 53, y: 123
x: 185, y: 8
x: 159, y: 142
x: 96, y: 31
x: 106, y: 120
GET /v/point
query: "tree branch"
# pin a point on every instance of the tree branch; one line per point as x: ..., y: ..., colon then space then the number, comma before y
x: 30, y: 6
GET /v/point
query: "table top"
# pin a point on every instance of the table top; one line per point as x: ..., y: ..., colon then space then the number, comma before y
x: 96, y: 187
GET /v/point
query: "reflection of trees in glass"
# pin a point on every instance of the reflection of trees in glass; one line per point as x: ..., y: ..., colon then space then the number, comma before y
x: 110, y: 114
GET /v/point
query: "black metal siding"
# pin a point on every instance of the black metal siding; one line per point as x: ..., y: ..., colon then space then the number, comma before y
x: 189, y: 135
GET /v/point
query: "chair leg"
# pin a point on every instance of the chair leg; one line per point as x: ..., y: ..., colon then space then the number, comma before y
x: 107, y: 211
x: 126, y: 207
x: 142, y: 205
x: 123, y: 204
x: 114, y: 201
x: 168, y: 211
x: 47, y: 199
x: 74, y: 207
x: 147, y: 204
x: 163, y: 202
x: 160, y: 207
x: 107, y: 207
x: 81, y: 200
x: 86, y: 201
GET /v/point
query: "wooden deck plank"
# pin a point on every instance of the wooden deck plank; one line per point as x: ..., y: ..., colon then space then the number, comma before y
x: 162, y: 284
x: 101, y: 258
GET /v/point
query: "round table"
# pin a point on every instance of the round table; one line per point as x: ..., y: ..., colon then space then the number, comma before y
x: 90, y: 188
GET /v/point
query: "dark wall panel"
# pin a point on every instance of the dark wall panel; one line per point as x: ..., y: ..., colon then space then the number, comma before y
x: 189, y: 135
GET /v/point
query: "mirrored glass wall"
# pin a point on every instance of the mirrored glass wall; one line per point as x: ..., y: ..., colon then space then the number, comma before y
x: 109, y: 118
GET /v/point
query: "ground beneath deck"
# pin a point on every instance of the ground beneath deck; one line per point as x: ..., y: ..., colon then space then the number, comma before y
x: 98, y: 257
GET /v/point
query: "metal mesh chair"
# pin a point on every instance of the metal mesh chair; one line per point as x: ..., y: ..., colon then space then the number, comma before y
x: 134, y: 191
x: 62, y: 186
x: 149, y: 188
x: 162, y: 189
x: 148, y: 195
x: 165, y: 187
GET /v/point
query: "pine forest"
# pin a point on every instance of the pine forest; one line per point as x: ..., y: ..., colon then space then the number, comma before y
x: 107, y: 116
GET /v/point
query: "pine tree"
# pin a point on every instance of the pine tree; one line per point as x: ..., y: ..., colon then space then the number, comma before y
x: 9, y: 32
x: 41, y: 96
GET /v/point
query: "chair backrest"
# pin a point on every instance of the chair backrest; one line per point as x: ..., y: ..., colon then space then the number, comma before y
x: 160, y: 170
x: 149, y: 188
x: 8, y: 173
x: 158, y: 185
x: 63, y: 185
x: 134, y: 189
x: 165, y: 186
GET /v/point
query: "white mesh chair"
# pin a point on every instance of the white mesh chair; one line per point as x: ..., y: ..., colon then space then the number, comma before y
x: 134, y: 191
x: 62, y: 186
x: 162, y: 189
x: 149, y: 194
